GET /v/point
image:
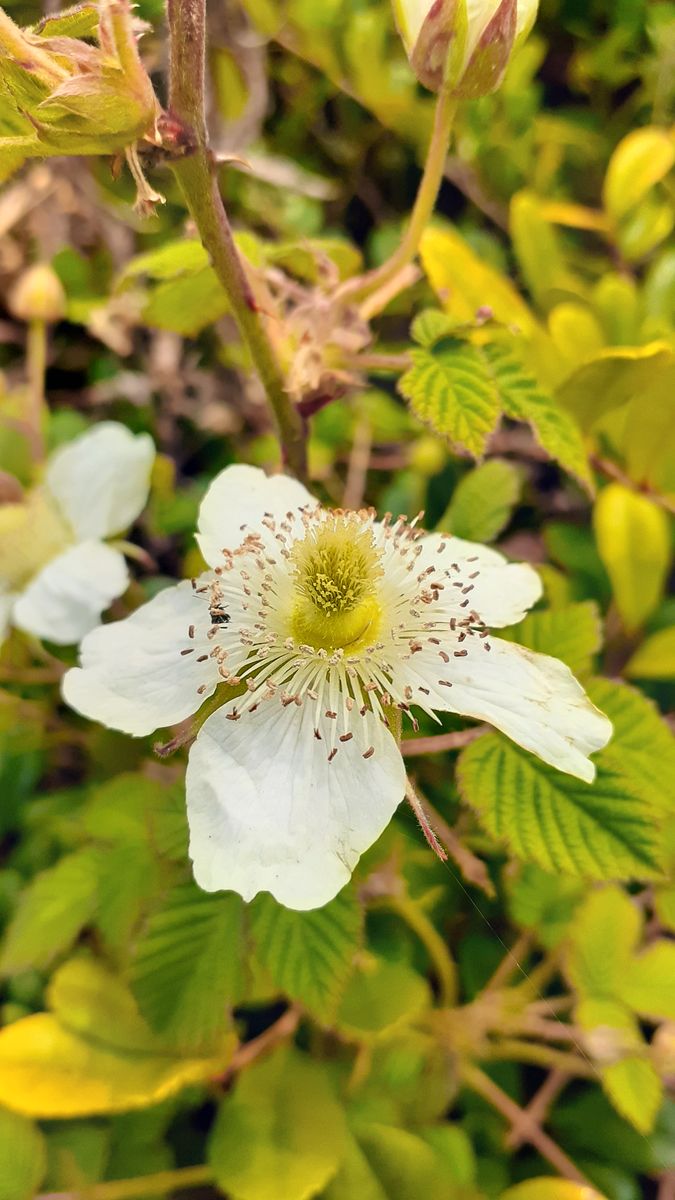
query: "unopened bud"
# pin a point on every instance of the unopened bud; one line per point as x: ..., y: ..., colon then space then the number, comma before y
x: 464, y: 45
x: 38, y: 295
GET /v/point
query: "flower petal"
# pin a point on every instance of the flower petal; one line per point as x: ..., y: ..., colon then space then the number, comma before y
x: 101, y: 479
x: 134, y: 676
x: 268, y: 812
x: 532, y: 698
x: 236, y: 503
x: 502, y: 592
x: 65, y: 600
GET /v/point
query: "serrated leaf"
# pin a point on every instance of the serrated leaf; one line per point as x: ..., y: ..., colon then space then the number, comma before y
x: 572, y: 633
x: 450, y: 389
x: 94, y: 1054
x: 22, y: 1157
x: 483, y: 501
x: 643, y: 746
x: 80, y: 21
x: 649, y: 983
x: 431, y: 326
x: 631, y: 1082
x: 51, y: 912
x: 187, y: 964
x: 603, y: 830
x: 309, y: 955
x: 280, y: 1133
x: 523, y: 399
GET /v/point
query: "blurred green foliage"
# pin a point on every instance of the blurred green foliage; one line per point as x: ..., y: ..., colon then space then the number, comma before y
x: 384, y: 1047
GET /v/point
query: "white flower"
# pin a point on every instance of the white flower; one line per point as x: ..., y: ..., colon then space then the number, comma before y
x: 324, y: 621
x: 464, y: 44
x: 57, y: 575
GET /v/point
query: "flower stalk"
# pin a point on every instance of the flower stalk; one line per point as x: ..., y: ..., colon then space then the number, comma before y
x: 197, y: 178
x: 425, y: 201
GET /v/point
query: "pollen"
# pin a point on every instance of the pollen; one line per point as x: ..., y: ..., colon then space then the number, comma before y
x: 335, y: 571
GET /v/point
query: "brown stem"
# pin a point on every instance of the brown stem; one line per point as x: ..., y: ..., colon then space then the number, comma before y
x: 442, y: 741
x: 196, y: 175
x: 473, y: 869
x: 481, y: 1083
x: 539, y: 1106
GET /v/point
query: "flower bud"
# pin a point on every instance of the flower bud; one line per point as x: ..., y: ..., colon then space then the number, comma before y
x: 464, y: 45
x: 38, y: 295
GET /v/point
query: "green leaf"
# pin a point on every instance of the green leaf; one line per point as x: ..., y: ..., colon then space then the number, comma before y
x: 280, y: 1133
x: 643, y: 747
x: 550, y: 1189
x: 381, y: 995
x: 543, y: 902
x: 186, y: 966
x: 572, y: 633
x: 93, y: 1054
x: 612, y: 379
x: 393, y: 1163
x: 523, y: 399
x: 80, y: 21
x: 22, y: 1157
x: 634, y: 543
x: 635, y: 1090
x: 603, y: 938
x: 649, y: 983
x: 449, y: 388
x: 655, y: 658
x: 603, y: 830
x: 51, y: 912
x: 483, y: 502
x: 309, y: 955
x: 639, y: 162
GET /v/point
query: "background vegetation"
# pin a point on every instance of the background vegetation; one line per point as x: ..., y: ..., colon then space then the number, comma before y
x: 501, y: 1024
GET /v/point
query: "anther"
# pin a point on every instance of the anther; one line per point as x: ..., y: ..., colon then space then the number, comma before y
x: 460, y: 653
x: 191, y: 631
x: 369, y: 752
x: 190, y: 650
x: 346, y: 737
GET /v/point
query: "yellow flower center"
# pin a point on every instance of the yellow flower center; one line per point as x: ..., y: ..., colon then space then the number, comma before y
x: 336, y: 568
x: 31, y: 534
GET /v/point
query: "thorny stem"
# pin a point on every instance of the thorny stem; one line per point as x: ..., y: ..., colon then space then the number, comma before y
x: 423, y: 208
x: 198, y: 181
x: 529, y: 1128
x: 473, y: 869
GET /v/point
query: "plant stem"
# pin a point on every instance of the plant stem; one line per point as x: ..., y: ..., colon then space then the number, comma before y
x: 439, y: 742
x: 36, y: 366
x: 515, y: 1050
x: 197, y: 178
x: 423, y: 208
x: 529, y: 1128
x: 146, y: 1185
x: 434, y: 944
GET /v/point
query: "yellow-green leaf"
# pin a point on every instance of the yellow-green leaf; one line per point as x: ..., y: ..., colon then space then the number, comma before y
x: 640, y: 161
x: 655, y: 658
x: 22, y: 1157
x: 572, y: 633
x: 93, y: 1053
x: 483, y: 501
x: 543, y: 1188
x: 449, y: 388
x: 633, y: 539
x: 280, y: 1133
